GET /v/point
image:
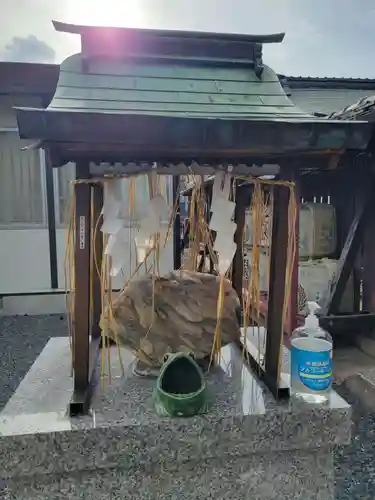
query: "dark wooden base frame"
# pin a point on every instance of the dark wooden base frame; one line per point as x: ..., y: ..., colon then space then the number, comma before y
x: 86, y: 351
x: 279, y: 389
x: 81, y: 399
x: 86, y: 329
x: 269, y: 371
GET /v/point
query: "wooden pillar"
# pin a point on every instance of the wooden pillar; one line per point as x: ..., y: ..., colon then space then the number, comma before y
x: 369, y: 265
x: 82, y: 283
x: 278, y: 264
x: 97, y: 194
x: 239, y: 218
x: 368, y: 261
x: 208, y: 191
x: 51, y: 221
x: 293, y: 301
x: 368, y: 303
x: 176, y: 224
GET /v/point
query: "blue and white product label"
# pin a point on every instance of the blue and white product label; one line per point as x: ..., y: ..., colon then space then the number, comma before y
x: 313, y: 369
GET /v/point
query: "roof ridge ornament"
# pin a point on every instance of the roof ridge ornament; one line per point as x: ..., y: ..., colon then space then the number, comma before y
x: 258, y: 60
x: 235, y: 37
x: 167, y: 46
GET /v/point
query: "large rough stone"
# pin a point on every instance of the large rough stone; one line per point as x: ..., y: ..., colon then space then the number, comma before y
x: 182, y: 316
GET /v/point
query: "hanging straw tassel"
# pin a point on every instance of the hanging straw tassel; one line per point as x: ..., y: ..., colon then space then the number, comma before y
x: 69, y: 279
x: 69, y: 265
x: 216, y: 346
x: 199, y: 233
x: 261, y: 209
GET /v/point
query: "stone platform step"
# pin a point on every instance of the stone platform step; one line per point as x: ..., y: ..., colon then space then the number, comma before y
x: 254, y: 476
x: 246, y: 446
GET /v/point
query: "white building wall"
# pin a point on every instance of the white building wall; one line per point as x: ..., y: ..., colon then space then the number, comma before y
x: 24, y: 247
x: 24, y: 242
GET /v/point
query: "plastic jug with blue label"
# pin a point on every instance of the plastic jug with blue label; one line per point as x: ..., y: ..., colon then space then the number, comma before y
x: 311, y: 360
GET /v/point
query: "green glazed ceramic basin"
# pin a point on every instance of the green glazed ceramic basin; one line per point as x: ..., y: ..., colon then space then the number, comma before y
x: 180, y: 388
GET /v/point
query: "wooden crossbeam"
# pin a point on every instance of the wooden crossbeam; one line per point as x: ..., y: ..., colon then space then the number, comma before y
x: 346, y: 323
x: 331, y: 303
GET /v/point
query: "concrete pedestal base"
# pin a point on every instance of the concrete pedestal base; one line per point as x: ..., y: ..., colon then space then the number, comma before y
x: 296, y: 475
x: 246, y: 446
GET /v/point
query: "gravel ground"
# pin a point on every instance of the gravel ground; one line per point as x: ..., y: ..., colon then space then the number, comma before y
x: 24, y: 337
x: 22, y: 340
x: 355, y: 464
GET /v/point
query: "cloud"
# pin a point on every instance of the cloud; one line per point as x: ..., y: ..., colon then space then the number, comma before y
x: 28, y: 49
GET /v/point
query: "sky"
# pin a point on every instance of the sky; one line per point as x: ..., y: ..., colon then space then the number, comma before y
x: 324, y: 38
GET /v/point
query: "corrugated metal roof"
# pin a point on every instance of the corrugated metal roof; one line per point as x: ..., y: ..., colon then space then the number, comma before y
x: 306, y: 82
x: 134, y: 87
x: 325, y: 100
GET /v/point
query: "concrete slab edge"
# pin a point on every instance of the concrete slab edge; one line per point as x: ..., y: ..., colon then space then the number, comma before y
x: 362, y: 390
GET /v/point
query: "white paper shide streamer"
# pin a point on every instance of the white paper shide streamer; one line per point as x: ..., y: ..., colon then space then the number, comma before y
x: 114, y: 225
x: 150, y: 220
x: 152, y: 227
x: 221, y: 221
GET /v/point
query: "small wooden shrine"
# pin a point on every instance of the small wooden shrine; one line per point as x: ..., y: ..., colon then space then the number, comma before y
x: 184, y: 103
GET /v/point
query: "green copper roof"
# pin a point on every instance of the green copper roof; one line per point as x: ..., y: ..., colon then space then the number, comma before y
x: 136, y: 87
x: 148, y: 95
